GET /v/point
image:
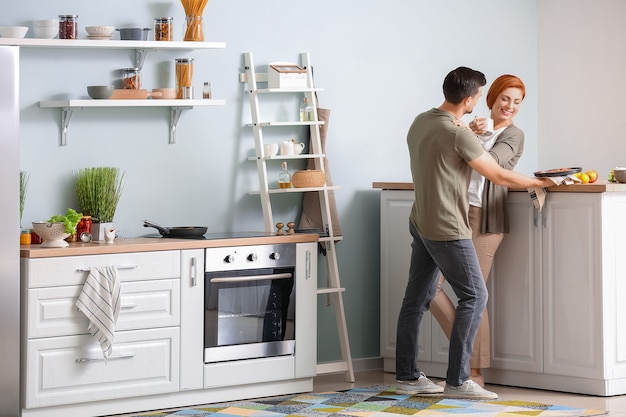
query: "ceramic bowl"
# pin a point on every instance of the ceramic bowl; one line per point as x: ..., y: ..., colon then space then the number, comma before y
x: 13, y: 31
x: 164, y: 93
x: 100, y: 91
x: 45, y: 32
x: 134, y: 34
x: 46, y: 22
x: 620, y: 174
x: 100, y: 30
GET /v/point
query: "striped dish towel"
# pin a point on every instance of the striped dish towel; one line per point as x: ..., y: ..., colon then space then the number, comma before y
x: 99, y: 300
x: 538, y: 195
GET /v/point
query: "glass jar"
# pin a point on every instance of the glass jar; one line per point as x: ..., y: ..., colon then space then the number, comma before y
x: 84, y: 225
x: 193, y: 29
x: 163, y: 29
x: 25, y: 237
x: 131, y: 78
x: 68, y: 26
x: 184, y: 75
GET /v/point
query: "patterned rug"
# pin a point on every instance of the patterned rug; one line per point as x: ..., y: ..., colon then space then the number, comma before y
x: 375, y: 401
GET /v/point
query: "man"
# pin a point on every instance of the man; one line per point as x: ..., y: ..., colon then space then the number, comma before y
x: 442, y: 158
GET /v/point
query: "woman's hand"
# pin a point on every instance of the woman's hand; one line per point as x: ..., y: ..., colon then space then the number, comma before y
x: 478, y: 125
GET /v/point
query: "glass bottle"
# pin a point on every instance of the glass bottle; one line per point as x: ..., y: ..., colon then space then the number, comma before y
x: 306, y: 111
x: 284, y: 177
x: 206, y: 90
x: 184, y: 75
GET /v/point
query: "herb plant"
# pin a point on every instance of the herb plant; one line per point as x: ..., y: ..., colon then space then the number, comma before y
x: 98, y: 190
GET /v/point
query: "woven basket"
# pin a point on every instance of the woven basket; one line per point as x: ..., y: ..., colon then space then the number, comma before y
x: 308, y: 178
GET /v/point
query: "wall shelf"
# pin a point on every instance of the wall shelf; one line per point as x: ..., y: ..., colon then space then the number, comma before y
x: 177, y: 106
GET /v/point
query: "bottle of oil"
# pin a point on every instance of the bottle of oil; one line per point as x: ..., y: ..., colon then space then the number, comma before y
x: 284, y: 177
x: 306, y: 111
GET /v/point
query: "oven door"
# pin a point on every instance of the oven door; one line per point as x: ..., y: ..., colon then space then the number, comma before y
x: 249, y: 314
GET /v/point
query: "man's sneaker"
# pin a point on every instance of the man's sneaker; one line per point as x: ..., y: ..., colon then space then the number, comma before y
x: 422, y: 385
x: 469, y: 390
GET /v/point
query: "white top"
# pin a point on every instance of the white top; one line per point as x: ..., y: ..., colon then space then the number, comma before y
x: 477, y: 183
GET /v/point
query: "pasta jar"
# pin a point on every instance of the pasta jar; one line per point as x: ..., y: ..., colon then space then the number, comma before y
x: 163, y: 29
x: 184, y: 75
x: 131, y: 78
x: 68, y: 26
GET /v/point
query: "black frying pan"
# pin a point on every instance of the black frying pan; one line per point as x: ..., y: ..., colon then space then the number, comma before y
x: 177, y: 232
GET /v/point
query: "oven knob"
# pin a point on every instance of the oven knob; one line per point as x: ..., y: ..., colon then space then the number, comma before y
x: 252, y: 257
x: 229, y: 259
x: 275, y: 256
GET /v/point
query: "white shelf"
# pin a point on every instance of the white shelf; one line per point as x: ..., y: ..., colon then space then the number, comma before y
x: 269, y: 124
x: 283, y: 157
x: 110, y: 44
x: 177, y: 106
x: 298, y: 190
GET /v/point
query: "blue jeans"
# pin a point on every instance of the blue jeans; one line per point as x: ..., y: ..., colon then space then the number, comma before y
x: 457, y: 260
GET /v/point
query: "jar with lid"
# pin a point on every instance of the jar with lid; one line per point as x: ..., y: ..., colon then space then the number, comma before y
x: 68, y: 26
x: 84, y: 225
x: 131, y: 78
x: 163, y: 29
x: 184, y: 75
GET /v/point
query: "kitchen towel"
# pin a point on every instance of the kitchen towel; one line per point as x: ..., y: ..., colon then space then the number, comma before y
x: 99, y: 300
x: 538, y: 195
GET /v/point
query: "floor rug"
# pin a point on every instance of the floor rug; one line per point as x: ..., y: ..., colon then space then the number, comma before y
x: 375, y: 401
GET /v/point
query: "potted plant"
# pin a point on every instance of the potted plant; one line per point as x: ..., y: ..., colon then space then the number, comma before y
x: 98, y: 190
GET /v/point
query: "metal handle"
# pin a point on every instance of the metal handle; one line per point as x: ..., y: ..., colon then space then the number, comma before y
x: 115, y: 358
x: 252, y: 278
x: 194, y: 272
x: 88, y: 269
x: 308, y: 265
x: 128, y: 307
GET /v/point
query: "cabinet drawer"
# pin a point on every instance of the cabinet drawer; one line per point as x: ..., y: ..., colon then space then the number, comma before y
x: 65, y: 370
x: 73, y: 270
x: 145, y: 304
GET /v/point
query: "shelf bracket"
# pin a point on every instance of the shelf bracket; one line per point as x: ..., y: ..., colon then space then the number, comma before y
x: 140, y: 56
x: 174, y: 118
x: 66, y: 116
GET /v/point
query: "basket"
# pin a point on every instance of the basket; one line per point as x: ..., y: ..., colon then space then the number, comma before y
x: 308, y: 178
x: 52, y: 234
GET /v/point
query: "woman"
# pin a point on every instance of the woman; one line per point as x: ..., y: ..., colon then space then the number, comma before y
x: 487, y: 213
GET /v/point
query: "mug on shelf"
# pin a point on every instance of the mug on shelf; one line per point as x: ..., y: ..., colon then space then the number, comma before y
x: 271, y: 149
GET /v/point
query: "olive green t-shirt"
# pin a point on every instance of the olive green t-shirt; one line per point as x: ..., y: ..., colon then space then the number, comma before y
x: 439, y: 151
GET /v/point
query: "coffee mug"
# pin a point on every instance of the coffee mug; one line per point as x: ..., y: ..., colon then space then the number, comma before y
x: 297, y: 148
x: 488, y: 129
x: 287, y: 148
x: 271, y: 149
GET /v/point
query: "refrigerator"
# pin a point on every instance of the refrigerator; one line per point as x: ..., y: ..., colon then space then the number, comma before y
x: 9, y: 233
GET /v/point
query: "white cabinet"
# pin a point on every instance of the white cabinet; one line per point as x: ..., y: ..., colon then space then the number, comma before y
x: 556, y: 294
x: 395, y: 258
x: 556, y: 291
x: 63, y: 363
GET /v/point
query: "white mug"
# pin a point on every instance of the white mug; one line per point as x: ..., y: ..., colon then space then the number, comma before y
x: 488, y: 130
x: 297, y: 148
x: 271, y: 149
x: 287, y: 148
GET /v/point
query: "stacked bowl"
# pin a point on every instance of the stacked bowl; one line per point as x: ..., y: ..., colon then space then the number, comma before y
x: 45, y: 28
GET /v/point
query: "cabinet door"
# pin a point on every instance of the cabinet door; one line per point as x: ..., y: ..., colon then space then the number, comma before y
x: 515, y: 303
x: 395, y: 257
x: 572, y: 285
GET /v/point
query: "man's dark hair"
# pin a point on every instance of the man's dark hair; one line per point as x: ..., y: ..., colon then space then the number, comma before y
x: 461, y: 83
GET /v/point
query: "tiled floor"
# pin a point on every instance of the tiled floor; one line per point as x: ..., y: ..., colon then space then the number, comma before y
x: 616, y: 406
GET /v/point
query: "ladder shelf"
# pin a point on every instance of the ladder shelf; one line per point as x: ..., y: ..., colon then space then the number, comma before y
x: 333, y: 290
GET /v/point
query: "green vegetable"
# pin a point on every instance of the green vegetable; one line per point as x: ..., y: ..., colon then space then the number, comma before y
x: 612, y: 176
x: 70, y: 220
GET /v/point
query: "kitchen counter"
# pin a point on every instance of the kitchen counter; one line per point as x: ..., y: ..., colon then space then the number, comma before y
x: 596, y: 187
x: 148, y: 244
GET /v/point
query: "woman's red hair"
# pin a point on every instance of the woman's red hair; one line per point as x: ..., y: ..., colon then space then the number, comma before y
x: 502, y: 83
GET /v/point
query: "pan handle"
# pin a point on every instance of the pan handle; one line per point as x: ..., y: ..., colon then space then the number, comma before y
x: 161, y: 229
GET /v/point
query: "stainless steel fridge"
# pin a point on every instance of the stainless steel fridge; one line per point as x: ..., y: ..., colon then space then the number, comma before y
x: 9, y: 233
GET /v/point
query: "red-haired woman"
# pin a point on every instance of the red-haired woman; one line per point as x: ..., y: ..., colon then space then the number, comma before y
x: 488, y: 215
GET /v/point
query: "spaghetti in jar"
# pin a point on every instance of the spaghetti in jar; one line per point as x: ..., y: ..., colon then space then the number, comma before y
x: 184, y: 75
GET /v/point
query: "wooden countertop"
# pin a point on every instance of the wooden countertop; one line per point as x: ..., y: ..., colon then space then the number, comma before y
x: 596, y: 187
x: 147, y: 244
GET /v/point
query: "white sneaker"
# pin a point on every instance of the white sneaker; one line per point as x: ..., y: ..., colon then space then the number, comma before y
x: 422, y: 385
x: 469, y: 390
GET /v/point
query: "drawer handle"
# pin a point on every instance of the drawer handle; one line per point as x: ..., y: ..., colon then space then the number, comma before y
x: 128, y: 306
x: 114, y: 358
x: 118, y: 267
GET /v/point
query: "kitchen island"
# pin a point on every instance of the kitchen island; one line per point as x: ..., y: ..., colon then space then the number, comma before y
x: 558, y: 320
x: 158, y: 359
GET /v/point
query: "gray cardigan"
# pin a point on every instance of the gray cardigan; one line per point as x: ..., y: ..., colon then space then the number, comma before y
x: 506, y: 151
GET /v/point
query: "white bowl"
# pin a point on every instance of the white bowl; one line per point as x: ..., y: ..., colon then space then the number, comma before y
x: 13, y: 31
x: 45, y: 32
x: 52, y: 234
x: 100, y: 30
x: 46, y: 22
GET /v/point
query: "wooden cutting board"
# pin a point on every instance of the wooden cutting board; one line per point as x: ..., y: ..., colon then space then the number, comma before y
x: 123, y: 94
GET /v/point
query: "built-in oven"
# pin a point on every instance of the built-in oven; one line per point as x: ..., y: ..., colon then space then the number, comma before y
x: 249, y: 302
